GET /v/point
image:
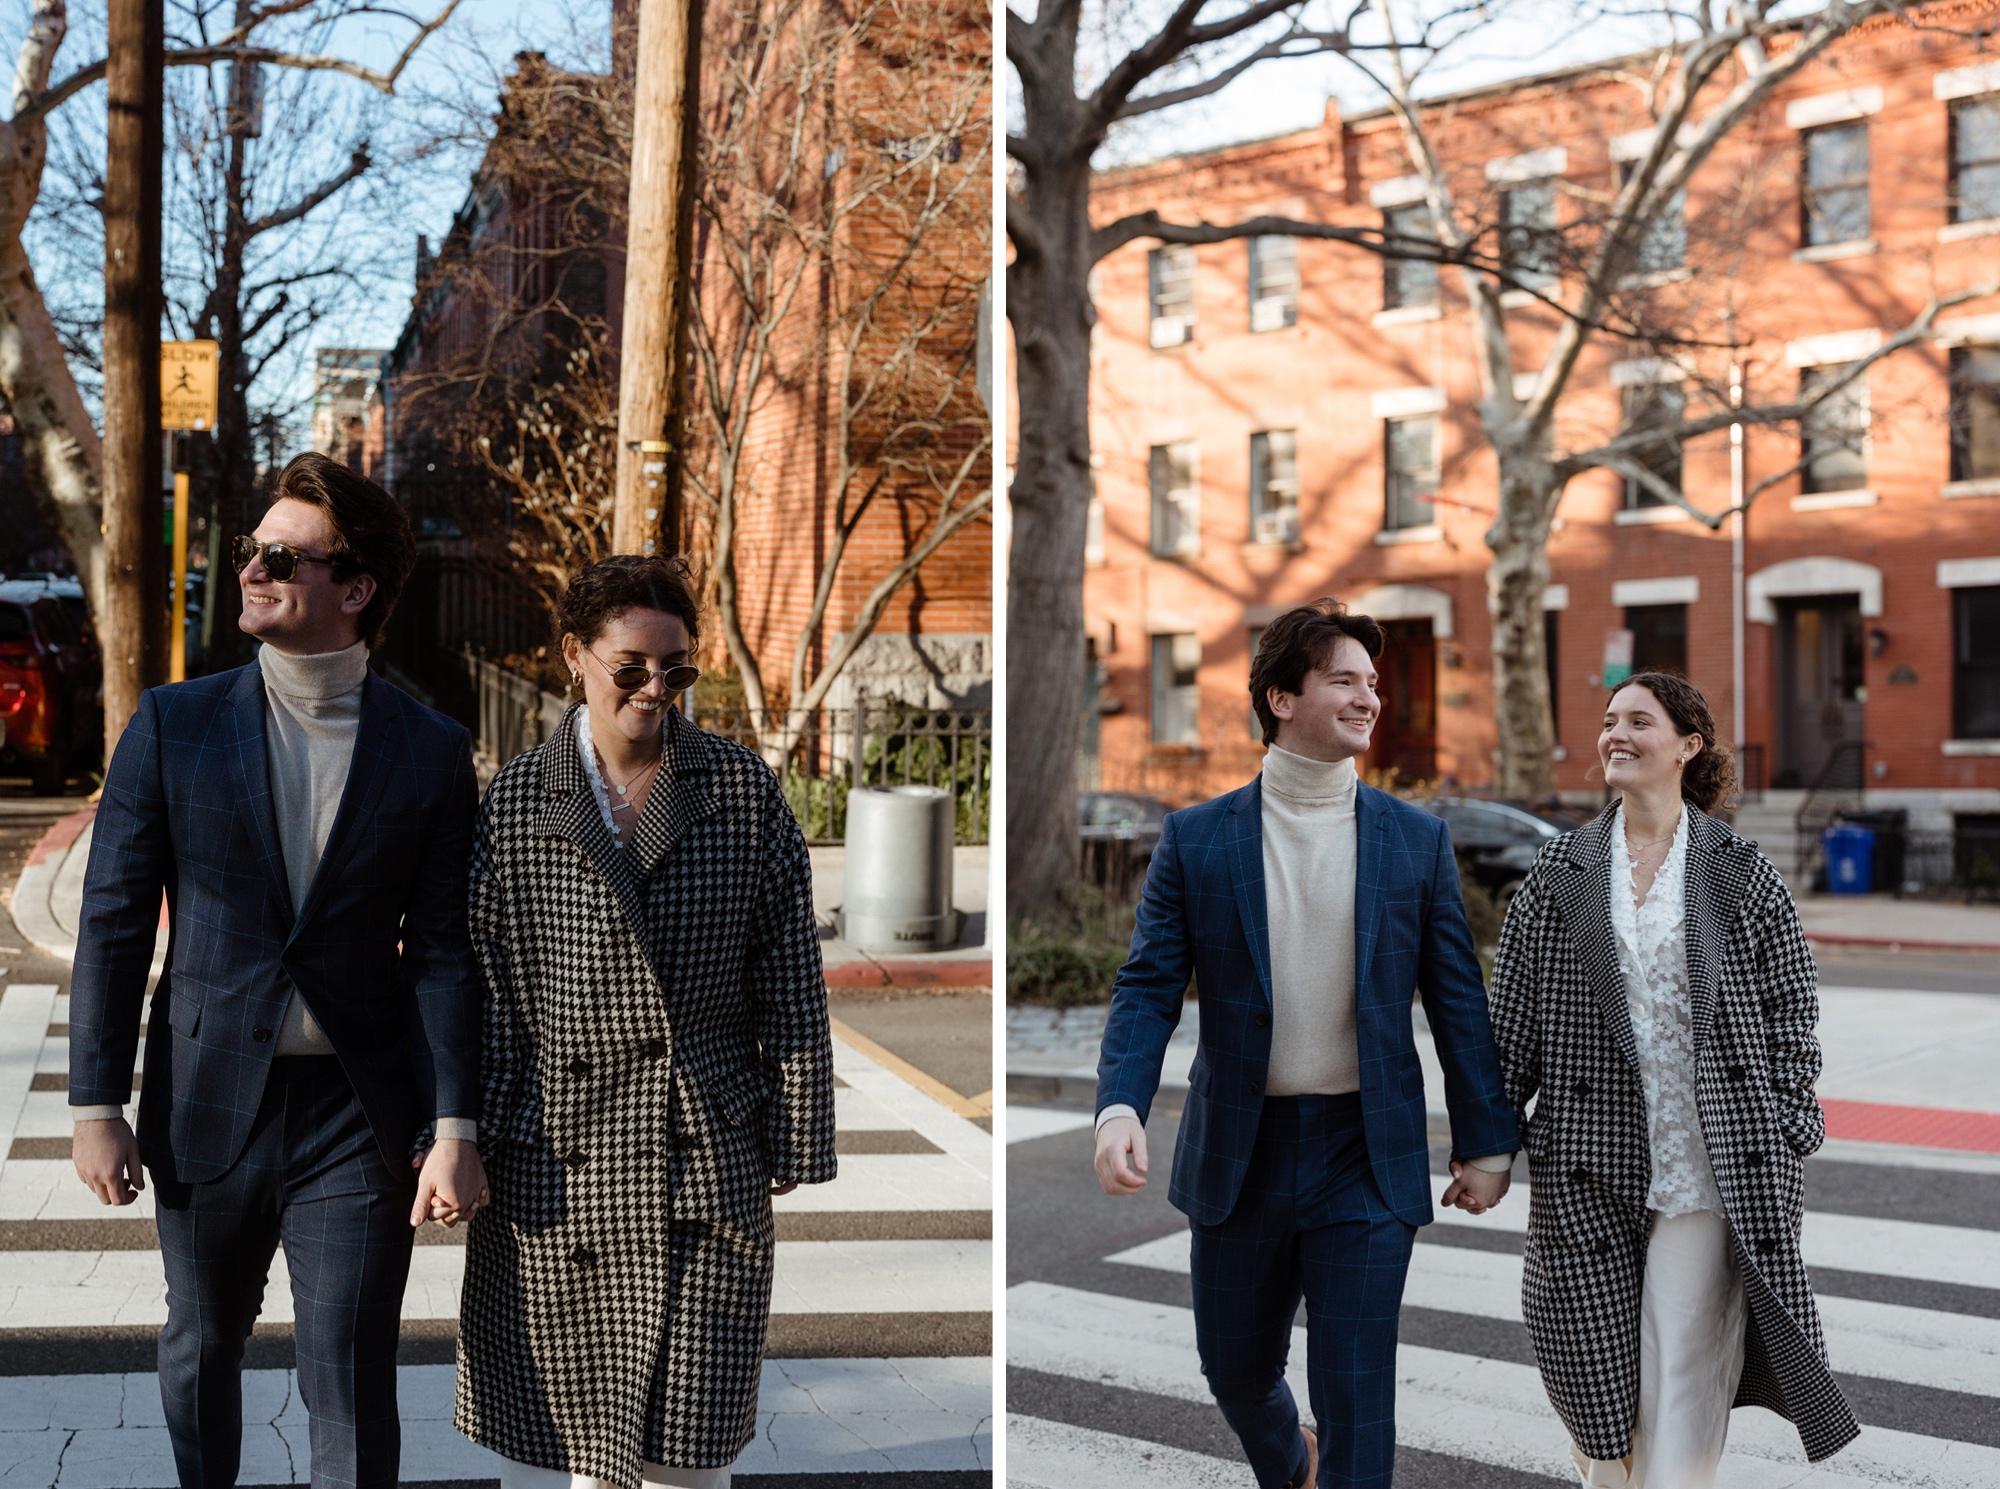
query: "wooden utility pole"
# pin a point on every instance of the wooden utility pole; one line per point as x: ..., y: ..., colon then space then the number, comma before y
x: 656, y: 274
x: 133, y: 632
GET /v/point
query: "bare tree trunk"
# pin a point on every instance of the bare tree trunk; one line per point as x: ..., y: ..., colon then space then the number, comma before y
x: 1048, y: 304
x: 132, y: 632
x: 1515, y: 584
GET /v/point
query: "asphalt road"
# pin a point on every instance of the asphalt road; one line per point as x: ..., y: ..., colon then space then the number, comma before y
x: 947, y: 1033
x: 1062, y: 1228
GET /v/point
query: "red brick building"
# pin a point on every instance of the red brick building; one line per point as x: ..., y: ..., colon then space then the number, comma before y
x: 1280, y: 419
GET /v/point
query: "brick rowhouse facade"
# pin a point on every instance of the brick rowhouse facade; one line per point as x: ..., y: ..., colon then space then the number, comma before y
x: 1853, y: 572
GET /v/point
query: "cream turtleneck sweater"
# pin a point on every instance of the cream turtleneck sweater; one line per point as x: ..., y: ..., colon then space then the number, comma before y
x: 1309, y: 872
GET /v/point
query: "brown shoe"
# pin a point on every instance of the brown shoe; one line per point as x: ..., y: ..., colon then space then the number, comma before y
x: 1312, y: 1459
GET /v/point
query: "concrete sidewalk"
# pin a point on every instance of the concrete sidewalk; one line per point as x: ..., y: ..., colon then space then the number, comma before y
x: 1879, y: 920
x: 48, y: 904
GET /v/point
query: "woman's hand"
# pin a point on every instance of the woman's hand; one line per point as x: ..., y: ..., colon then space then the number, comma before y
x: 1475, y: 1190
x: 452, y: 1184
x: 785, y: 1188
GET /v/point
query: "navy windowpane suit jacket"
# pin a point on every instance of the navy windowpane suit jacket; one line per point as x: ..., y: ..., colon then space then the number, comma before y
x: 379, y: 950
x: 1202, y: 916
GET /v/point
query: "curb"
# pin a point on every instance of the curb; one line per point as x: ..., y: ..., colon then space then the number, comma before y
x: 31, y: 891
x: 913, y: 972
x: 1900, y: 943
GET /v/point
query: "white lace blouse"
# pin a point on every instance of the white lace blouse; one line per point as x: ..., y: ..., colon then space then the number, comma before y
x: 1652, y: 952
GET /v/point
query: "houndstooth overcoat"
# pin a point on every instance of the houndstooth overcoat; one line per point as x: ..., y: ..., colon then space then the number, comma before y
x: 656, y: 1055
x: 1566, y: 1044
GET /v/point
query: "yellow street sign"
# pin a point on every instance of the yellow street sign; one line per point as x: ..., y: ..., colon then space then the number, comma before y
x: 187, y: 384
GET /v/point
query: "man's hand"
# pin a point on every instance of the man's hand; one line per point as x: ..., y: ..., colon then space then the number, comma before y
x: 1475, y: 1190
x: 107, y: 1160
x: 451, y: 1185
x: 785, y: 1187
x: 1121, y: 1156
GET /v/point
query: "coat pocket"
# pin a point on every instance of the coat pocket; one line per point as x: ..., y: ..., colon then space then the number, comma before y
x: 185, y: 1001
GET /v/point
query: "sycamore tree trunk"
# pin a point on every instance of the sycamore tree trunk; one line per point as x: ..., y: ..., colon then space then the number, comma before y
x: 1048, y: 305
x: 1515, y: 584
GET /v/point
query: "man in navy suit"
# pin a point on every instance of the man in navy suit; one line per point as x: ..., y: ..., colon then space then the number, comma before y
x: 310, y: 827
x: 1308, y: 910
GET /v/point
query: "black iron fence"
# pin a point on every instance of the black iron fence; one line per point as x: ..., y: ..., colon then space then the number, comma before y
x: 821, y: 754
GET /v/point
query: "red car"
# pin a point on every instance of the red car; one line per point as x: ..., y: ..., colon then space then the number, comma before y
x: 51, y: 685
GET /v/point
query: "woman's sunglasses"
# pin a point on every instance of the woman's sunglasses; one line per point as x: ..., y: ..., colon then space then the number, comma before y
x: 281, y: 560
x: 631, y: 677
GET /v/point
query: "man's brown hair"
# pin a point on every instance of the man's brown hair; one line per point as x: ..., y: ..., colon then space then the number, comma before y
x: 371, y: 531
x: 1302, y: 641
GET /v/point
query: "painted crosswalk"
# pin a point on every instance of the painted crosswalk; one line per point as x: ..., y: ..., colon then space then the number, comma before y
x: 880, y: 1338
x: 1911, y: 1309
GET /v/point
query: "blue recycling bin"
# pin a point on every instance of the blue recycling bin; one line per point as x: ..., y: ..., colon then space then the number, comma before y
x: 1850, y: 860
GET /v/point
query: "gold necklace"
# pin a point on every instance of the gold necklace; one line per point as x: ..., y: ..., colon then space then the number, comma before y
x: 622, y: 790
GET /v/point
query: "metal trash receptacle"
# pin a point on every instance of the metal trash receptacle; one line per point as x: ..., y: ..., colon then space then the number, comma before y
x: 896, y: 888
x: 1850, y: 860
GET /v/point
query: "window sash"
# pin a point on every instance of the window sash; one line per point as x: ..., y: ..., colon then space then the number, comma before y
x: 1834, y: 436
x: 1410, y: 467
x: 1664, y: 246
x: 1170, y: 291
x: 1528, y: 233
x: 1177, y: 689
x: 1975, y: 159
x: 1975, y: 682
x: 1651, y: 406
x: 1409, y: 282
x: 1975, y: 413
x: 1836, y: 184
x: 1176, y: 490
x: 1274, y: 486
x: 1274, y: 282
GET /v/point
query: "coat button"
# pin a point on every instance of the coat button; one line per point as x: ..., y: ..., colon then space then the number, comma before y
x: 1736, y: 1072
x: 1581, y: 1088
x: 1755, y: 1160
x: 575, y: 1158
x: 262, y: 1036
x: 583, y: 1256
x: 1580, y: 1174
x: 1603, y: 1247
x: 1765, y: 1245
x: 649, y: 1153
x: 579, y: 1067
x: 656, y: 1049
x: 1256, y: 1087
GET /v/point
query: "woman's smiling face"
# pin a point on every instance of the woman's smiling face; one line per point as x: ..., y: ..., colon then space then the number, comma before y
x: 1640, y: 748
x: 650, y: 638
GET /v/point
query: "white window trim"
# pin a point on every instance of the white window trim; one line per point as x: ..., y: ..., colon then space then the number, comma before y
x: 1957, y: 748
x: 1832, y: 347
x: 1555, y: 597
x: 1647, y: 516
x: 1827, y: 253
x: 1954, y: 490
x: 1968, y: 330
x: 1966, y: 82
x: 1407, y: 315
x: 1830, y: 501
x: 1428, y: 532
x: 1172, y: 622
x: 1812, y: 576
x: 1635, y: 143
x: 1406, y: 403
x: 1968, y: 573
x: 1681, y: 589
x: 1530, y: 165
x: 1398, y: 191
x: 1833, y: 108
x: 1645, y: 372
x: 1526, y: 384
x: 1406, y: 602
x: 1958, y: 232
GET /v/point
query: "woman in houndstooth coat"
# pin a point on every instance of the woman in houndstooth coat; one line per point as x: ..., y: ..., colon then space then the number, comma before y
x: 1654, y: 1000
x: 656, y: 1063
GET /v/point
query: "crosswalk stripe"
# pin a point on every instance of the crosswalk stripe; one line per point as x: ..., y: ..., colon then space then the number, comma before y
x: 1462, y: 1406
x: 1055, y: 1455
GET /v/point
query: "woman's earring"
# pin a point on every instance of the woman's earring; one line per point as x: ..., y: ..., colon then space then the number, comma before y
x: 576, y: 679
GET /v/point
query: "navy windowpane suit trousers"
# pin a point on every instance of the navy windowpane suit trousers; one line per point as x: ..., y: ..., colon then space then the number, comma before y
x: 314, y: 1176
x: 1310, y: 1221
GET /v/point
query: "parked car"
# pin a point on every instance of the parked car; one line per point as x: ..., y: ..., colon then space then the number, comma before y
x: 1119, y: 832
x: 1497, y: 840
x: 51, y: 683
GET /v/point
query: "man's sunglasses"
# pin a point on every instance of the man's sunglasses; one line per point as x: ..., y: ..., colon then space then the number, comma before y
x: 631, y: 677
x: 281, y: 560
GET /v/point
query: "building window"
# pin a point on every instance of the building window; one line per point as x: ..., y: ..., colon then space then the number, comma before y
x: 1836, y: 176
x: 1274, y: 486
x: 1659, y: 637
x: 1975, y: 656
x: 1665, y: 245
x: 1407, y: 282
x: 1410, y: 462
x: 1093, y: 534
x: 1176, y: 691
x: 1528, y: 234
x: 1654, y: 406
x: 1975, y: 413
x: 1176, y: 500
x: 1256, y: 724
x: 1170, y: 272
x: 1975, y: 159
x: 1835, y: 434
x: 1274, y: 283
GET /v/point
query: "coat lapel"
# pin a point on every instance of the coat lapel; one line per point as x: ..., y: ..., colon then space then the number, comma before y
x: 367, y: 774
x: 1584, y: 891
x: 1371, y: 847
x: 1246, y: 876
x: 250, y: 764
x: 687, y: 789
x: 1718, y: 876
x: 569, y: 810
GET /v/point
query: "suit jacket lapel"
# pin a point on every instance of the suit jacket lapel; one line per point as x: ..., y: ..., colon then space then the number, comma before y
x: 368, y: 773
x: 1584, y: 891
x: 1246, y: 875
x: 1371, y: 846
x: 250, y: 764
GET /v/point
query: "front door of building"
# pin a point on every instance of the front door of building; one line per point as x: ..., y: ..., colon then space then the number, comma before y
x: 1406, y: 734
x: 1819, y: 688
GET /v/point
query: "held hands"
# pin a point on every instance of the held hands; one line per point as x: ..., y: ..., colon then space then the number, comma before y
x: 106, y: 1155
x: 451, y: 1185
x: 1121, y: 1156
x: 1475, y: 1190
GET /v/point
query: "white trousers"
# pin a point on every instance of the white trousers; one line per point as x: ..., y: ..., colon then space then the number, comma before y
x: 1692, y: 1315
x: 523, y: 1476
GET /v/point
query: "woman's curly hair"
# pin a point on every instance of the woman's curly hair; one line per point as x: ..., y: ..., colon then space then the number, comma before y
x: 1708, y: 780
x: 627, y: 581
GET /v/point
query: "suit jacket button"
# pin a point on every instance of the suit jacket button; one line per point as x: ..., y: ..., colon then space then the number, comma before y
x: 656, y: 1049
x: 1263, y: 1020
x: 579, y: 1067
x: 583, y: 1256
x: 1255, y: 1087
x: 1580, y: 1175
x: 262, y: 1036
x: 1736, y: 1072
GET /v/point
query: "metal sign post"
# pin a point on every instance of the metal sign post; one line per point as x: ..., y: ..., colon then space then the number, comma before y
x: 187, y: 403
